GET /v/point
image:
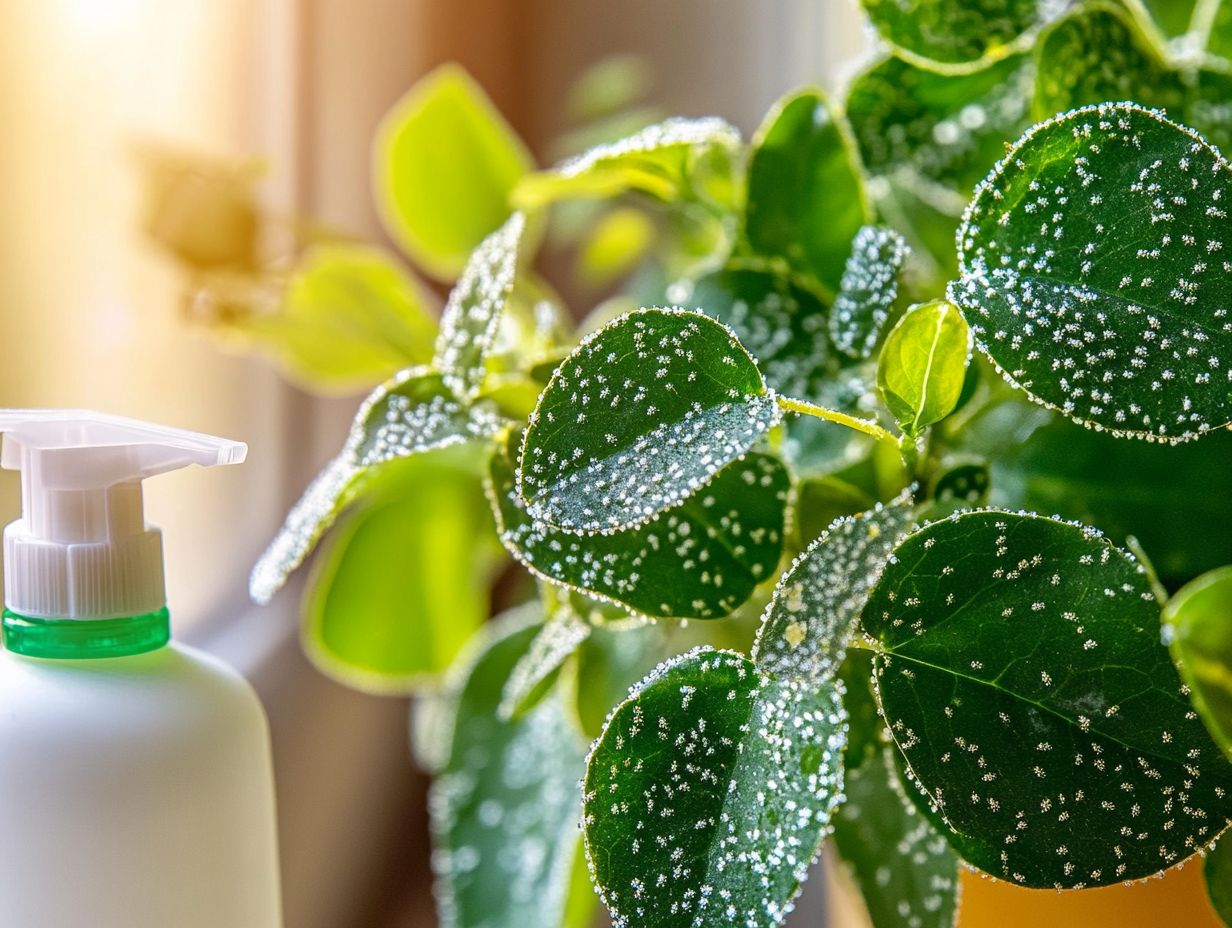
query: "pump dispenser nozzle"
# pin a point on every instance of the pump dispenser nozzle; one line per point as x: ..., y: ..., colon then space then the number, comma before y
x: 82, y: 548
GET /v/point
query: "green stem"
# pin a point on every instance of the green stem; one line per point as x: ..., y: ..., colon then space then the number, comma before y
x: 867, y: 426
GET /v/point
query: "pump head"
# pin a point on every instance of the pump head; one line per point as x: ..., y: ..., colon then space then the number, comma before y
x: 82, y: 548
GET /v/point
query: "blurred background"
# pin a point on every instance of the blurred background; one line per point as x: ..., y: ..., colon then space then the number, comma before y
x: 102, y: 99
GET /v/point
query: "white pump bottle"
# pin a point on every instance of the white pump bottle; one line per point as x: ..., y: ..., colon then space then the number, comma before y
x: 135, y: 781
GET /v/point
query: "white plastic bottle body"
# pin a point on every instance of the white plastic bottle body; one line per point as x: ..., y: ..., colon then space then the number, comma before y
x: 135, y: 792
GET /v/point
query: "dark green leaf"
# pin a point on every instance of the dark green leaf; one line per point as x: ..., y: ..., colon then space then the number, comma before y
x: 923, y: 364
x: 660, y: 160
x: 709, y: 792
x: 1218, y: 872
x: 700, y: 559
x: 411, y: 413
x: 473, y: 314
x: 954, y: 32
x: 639, y: 417
x: 941, y: 130
x: 440, y: 203
x: 1021, y: 674
x: 806, y: 198
x: 1099, y: 52
x: 404, y: 580
x: 1175, y: 499
x: 781, y: 324
x: 1093, y: 272
x: 505, y: 809
x: 903, y: 866
x: 868, y: 290
x: 536, y: 671
x: 1199, y: 627
x: 807, y: 625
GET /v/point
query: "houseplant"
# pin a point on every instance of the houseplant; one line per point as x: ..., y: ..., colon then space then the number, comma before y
x: 773, y: 488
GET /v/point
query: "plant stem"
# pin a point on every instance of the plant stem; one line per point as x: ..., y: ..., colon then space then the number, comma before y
x: 867, y: 426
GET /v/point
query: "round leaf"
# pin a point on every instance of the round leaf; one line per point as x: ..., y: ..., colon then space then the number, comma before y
x: 438, y: 203
x: 639, y: 417
x: 699, y: 559
x: 954, y: 32
x: 1021, y: 675
x: 709, y: 792
x: 806, y: 198
x: 1199, y: 625
x: 923, y: 364
x: 1094, y: 274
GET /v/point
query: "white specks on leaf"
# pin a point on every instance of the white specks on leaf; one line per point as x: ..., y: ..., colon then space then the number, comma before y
x: 595, y: 459
x: 809, y: 621
x: 868, y: 290
x: 472, y: 316
x: 1092, y: 276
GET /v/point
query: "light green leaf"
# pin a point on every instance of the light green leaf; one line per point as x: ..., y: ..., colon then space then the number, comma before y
x: 806, y: 198
x: 660, y: 161
x: 922, y: 365
x: 472, y: 317
x: 906, y: 872
x: 953, y: 34
x: 698, y: 559
x: 505, y: 810
x: 404, y: 580
x: 641, y: 415
x: 614, y: 245
x: 350, y: 316
x: 868, y: 290
x: 1199, y: 628
x: 1020, y: 672
x: 709, y: 792
x: 1218, y: 872
x: 411, y: 413
x: 445, y: 162
x: 1093, y: 275
x: 807, y: 625
x: 780, y: 323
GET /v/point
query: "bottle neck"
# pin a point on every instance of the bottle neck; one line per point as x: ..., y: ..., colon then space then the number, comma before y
x: 77, y: 639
